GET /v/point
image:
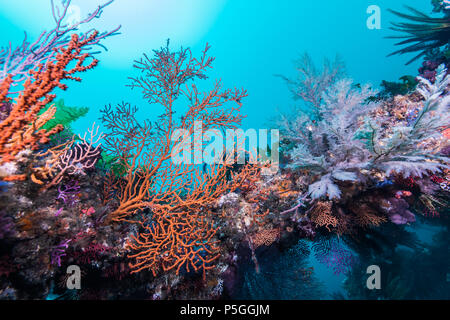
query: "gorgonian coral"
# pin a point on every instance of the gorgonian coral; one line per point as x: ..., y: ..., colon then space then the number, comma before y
x: 311, y: 82
x: 179, y: 231
x: 334, y: 254
x: 414, y: 148
x: 6, y: 225
x: 69, y: 193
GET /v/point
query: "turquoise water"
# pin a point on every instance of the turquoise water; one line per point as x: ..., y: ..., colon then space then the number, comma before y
x: 252, y: 41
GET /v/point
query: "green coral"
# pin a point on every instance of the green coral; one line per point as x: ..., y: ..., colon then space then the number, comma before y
x: 390, y: 89
x: 64, y: 115
x: 112, y: 163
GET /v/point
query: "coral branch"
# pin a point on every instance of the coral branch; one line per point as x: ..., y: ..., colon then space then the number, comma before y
x: 16, y: 63
x: 21, y: 130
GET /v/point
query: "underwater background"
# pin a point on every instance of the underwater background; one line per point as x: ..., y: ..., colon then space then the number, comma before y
x: 256, y: 45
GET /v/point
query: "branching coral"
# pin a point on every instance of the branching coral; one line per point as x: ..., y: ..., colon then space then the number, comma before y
x: 71, y: 158
x: 17, y: 62
x: 266, y: 237
x: 21, y: 130
x: 365, y: 216
x: 423, y: 33
x: 327, y: 146
x: 65, y: 116
x: 284, y: 275
x: 69, y: 193
x: 179, y: 233
x: 310, y: 82
x: 5, y: 109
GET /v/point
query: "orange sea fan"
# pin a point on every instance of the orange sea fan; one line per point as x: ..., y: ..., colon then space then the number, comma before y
x: 321, y: 215
x: 182, y: 232
x: 266, y: 237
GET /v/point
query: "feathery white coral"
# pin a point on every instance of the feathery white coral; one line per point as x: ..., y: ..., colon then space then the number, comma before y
x: 327, y: 145
x: 407, y: 149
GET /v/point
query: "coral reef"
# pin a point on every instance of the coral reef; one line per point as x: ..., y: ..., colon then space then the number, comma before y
x: 361, y: 170
x: 352, y: 145
x: 22, y: 129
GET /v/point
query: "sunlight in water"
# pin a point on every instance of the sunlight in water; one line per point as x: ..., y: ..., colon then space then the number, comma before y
x: 146, y: 24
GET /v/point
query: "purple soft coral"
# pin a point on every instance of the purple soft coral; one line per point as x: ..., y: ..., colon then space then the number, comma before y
x: 58, y: 252
x: 69, y: 193
x: 397, y: 211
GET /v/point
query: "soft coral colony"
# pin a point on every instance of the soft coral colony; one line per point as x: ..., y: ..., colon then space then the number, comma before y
x: 115, y: 203
x: 354, y: 152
